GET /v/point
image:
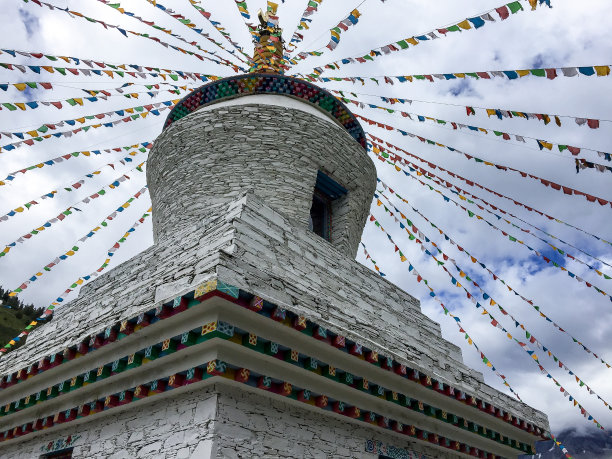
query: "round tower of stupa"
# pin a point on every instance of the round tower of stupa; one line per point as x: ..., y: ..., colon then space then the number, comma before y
x: 289, y: 142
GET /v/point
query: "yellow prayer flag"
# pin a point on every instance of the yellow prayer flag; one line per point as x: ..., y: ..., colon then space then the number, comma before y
x: 602, y: 70
x: 129, y: 110
x: 465, y: 25
x: 19, y: 209
x: 490, y: 112
x: 402, y: 257
x: 397, y: 168
x: 70, y: 253
x: 523, y: 73
x: 78, y: 100
x: 20, y: 86
x: 80, y: 120
x: 48, y: 68
x: 493, y: 303
x: 144, y: 114
x: 109, y: 73
x: 33, y: 133
x: 21, y: 105
x: 412, y: 41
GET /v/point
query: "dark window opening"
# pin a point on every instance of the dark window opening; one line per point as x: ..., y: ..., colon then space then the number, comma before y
x: 326, y: 191
x: 61, y: 454
x: 320, y: 216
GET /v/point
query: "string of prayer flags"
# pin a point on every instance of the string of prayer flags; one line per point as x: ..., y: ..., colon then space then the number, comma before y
x: 516, y: 240
x: 420, y: 279
x: 545, y: 118
x: 125, y: 33
x: 40, y: 134
x: 25, y: 85
x: 49, y: 310
x: 217, y: 25
x: 64, y: 71
x: 582, y: 163
x: 343, y: 25
x: 72, y: 187
x: 547, y: 73
x: 137, y: 70
x: 368, y: 257
x: 472, y: 23
x: 499, y: 113
x: 334, y: 32
x: 188, y: 23
x: 74, y: 101
x: 495, y: 323
x: 487, y: 297
x: 517, y: 203
x: 69, y: 210
x: 431, y: 176
x: 75, y: 248
x: 243, y: 8
x: 560, y: 446
x: 297, y: 37
x: 473, y: 259
x: 416, y: 117
x: 142, y: 147
x: 548, y: 183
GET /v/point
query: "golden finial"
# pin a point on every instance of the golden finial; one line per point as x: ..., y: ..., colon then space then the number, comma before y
x: 268, y: 41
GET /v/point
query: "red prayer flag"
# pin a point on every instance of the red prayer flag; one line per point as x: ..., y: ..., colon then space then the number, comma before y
x: 503, y: 12
x: 593, y: 124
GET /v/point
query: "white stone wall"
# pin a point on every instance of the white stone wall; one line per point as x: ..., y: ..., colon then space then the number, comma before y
x: 220, y: 421
x: 179, y: 427
x: 256, y: 248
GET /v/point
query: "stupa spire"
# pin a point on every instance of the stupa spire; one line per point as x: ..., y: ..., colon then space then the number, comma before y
x: 269, y: 43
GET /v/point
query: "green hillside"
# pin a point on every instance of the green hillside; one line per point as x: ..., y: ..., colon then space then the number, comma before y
x: 14, y: 316
x: 12, y: 322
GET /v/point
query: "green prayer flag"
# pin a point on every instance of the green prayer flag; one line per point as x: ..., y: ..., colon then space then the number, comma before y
x: 538, y: 72
x: 454, y: 28
x: 515, y: 7
x: 402, y: 44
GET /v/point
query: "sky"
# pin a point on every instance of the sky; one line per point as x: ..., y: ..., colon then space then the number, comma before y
x: 569, y: 34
